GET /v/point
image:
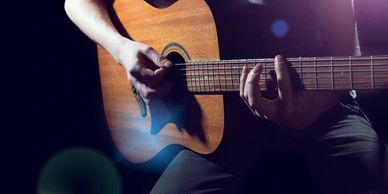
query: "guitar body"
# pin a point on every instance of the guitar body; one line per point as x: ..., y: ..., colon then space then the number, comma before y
x: 195, y: 35
x: 183, y: 29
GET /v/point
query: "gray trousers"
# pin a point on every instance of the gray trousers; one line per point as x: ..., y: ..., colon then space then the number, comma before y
x: 340, y: 153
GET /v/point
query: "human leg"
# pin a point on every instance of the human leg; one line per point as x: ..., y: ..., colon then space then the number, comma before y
x: 346, y: 153
x: 189, y: 172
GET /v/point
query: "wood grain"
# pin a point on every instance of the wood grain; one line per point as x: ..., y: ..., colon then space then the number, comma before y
x: 157, y: 28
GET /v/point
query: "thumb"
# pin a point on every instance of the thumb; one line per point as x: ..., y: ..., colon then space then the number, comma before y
x: 158, y: 59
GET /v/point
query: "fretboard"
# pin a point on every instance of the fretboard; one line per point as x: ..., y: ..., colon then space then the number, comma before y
x: 308, y: 73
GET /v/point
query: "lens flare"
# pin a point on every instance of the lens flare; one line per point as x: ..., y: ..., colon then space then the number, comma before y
x: 279, y: 28
x: 79, y: 170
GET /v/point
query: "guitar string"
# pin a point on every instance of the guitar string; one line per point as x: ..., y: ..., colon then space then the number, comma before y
x: 244, y: 61
x: 305, y: 80
x: 327, y: 84
x: 296, y: 66
x: 338, y: 73
x: 236, y: 88
x: 304, y: 72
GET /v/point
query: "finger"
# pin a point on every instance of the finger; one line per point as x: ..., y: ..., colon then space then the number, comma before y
x: 148, y: 92
x: 260, y: 105
x: 161, y: 63
x: 141, y: 73
x: 159, y: 75
x: 149, y: 77
x: 252, y: 87
x: 283, y: 79
x: 157, y: 59
x: 243, y: 78
x: 147, y: 72
x: 244, y: 93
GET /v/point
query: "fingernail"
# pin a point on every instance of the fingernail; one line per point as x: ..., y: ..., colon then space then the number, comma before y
x: 244, y: 70
x: 168, y: 64
x: 279, y: 58
x: 257, y: 68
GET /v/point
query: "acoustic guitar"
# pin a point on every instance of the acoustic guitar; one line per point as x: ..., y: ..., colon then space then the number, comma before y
x: 193, y: 115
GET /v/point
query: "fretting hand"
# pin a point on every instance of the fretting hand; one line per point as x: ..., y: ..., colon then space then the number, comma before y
x: 291, y: 109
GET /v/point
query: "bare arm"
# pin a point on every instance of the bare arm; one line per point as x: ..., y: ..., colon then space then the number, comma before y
x: 145, y: 67
x: 92, y: 17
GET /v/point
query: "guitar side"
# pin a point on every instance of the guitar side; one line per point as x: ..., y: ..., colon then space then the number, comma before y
x: 176, y: 29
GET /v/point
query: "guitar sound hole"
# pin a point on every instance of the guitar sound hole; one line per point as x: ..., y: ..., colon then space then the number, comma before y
x: 175, y: 57
x: 176, y: 75
x: 182, y: 108
x: 161, y: 4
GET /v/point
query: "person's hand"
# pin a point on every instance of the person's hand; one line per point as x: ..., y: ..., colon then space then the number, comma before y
x: 291, y: 109
x: 145, y: 68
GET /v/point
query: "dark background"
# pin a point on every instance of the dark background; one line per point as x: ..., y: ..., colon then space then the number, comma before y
x: 52, y: 95
x: 53, y: 99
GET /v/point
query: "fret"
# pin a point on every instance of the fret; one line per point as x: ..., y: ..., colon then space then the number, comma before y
x: 208, y: 76
x: 316, y: 72
x: 231, y: 65
x: 226, y: 74
x: 212, y: 75
x: 351, y: 72
x: 192, y: 77
x: 372, y: 77
x: 206, y: 82
x: 218, y: 76
x: 265, y: 71
x: 186, y: 76
x: 199, y: 76
x: 203, y: 82
x: 235, y: 74
x: 332, y: 72
x: 236, y: 71
x: 246, y: 66
x: 254, y: 62
x: 250, y: 62
x: 192, y: 81
x: 193, y: 73
x: 301, y: 69
x: 230, y: 74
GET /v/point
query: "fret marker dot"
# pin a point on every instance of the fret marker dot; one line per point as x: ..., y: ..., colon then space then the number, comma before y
x: 279, y: 28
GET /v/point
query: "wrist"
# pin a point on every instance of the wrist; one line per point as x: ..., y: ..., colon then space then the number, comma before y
x: 117, y: 47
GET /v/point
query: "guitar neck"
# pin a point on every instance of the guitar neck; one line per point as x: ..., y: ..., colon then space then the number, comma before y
x: 307, y: 73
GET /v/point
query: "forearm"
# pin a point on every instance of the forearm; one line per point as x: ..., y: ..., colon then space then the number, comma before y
x: 92, y: 17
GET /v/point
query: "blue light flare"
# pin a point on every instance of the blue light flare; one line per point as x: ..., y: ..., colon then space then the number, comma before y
x: 279, y: 28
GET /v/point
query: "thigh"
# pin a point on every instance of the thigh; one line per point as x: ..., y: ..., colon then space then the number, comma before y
x: 347, y: 155
x: 189, y: 172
